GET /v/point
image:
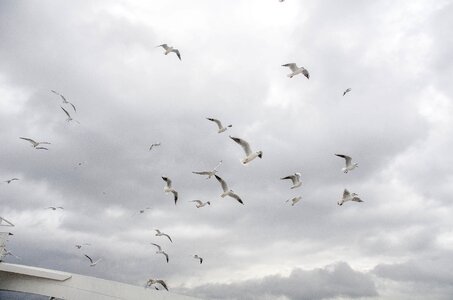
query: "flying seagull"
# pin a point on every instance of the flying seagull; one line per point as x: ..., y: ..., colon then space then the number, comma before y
x: 159, y: 251
x: 169, y: 189
x: 295, y: 179
x: 201, y: 203
x: 11, y: 254
x: 199, y: 258
x: 248, y: 151
x: 349, y: 165
x: 93, y: 263
x: 294, y: 200
x: 347, y: 91
x: 154, y: 281
x: 78, y: 246
x: 227, y: 191
x: 169, y: 49
x: 347, y: 196
x: 219, y: 124
x: 69, y: 116
x: 55, y: 208
x: 64, y: 100
x: 35, y: 144
x: 154, y: 145
x: 296, y: 70
x: 11, y: 180
x: 142, y: 211
x: 158, y: 233
x: 209, y: 173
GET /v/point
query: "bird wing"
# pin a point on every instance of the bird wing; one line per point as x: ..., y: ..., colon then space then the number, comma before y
x: 243, y: 144
x: 158, y: 247
x: 218, y: 165
x: 177, y: 53
x: 73, y: 106
x: 346, y: 194
x: 175, y: 193
x: 41, y: 148
x: 292, y: 66
x: 29, y: 140
x: 347, y: 91
x: 347, y: 158
x: 162, y: 283
x: 198, y: 201
x: 305, y: 72
x: 66, y: 112
x: 89, y: 258
x: 202, y: 173
x: 167, y: 236
x: 165, y: 46
x: 168, y: 181
x: 357, y: 199
x: 166, y: 255
x: 292, y: 177
x: 97, y: 261
x: 233, y: 195
x: 222, y: 183
x: 219, y: 124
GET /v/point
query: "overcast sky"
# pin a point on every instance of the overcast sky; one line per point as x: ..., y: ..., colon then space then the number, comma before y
x: 396, y: 123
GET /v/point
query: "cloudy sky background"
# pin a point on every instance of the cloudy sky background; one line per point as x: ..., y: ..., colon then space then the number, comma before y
x: 397, y: 56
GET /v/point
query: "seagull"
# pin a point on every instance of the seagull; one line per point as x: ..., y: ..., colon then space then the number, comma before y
x: 248, y: 151
x: 69, y: 116
x: 169, y: 189
x: 209, y: 173
x: 11, y: 254
x: 169, y: 49
x: 219, y: 124
x: 349, y: 165
x: 295, y: 179
x: 55, y: 208
x: 347, y: 91
x: 159, y: 251
x: 93, y: 263
x: 80, y: 246
x: 349, y: 197
x: 64, y: 100
x: 199, y: 258
x: 154, y: 145
x: 296, y: 70
x: 294, y: 200
x: 142, y: 211
x: 34, y: 143
x: 154, y: 281
x: 201, y: 203
x: 158, y: 233
x: 227, y: 191
x: 11, y: 180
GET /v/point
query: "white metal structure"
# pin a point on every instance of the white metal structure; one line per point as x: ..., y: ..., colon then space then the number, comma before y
x: 68, y: 286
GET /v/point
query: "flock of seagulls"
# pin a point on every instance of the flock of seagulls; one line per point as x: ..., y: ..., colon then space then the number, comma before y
x: 250, y: 155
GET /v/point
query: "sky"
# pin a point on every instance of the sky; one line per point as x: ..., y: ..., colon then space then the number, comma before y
x: 396, y: 123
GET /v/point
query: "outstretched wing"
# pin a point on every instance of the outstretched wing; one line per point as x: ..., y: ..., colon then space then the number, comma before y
x: 243, y: 144
x: 305, y: 72
x: 66, y: 112
x: 29, y: 140
x: 165, y: 46
x: 167, y: 236
x: 222, y: 183
x: 89, y: 258
x: 292, y: 66
x: 162, y: 283
x: 346, y: 194
x: 347, y: 158
x: 158, y: 247
x: 202, y: 173
x: 168, y: 181
x: 177, y: 53
x: 233, y: 195
x: 292, y: 177
x: 219, y: 124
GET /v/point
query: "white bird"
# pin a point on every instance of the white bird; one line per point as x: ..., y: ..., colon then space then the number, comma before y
x: 154, y: 145
x: 69, y: 116
x: 209, y: 173
x: 11, y: 180
x: 169, y: 189
x: 93, y: 263
x: 296, y: 70
x: 64, y: 99
x: 34, y: 143
x: 142, y: 211
x: 199, y: 258
x: 227, y: 191
x: 159, y: 251
x: 349, y: 165
x: 154, y: 281
x: 295, y: 179
x: 55, y: 208
x: 169, y: 49
x: 79, y: 246
x: 159, y: 233
x: 11, y: 254
x: 349, y: 197
x: 294, y: 200
x: 219, y: 124
x: 347, y: 91
x: 248, y: 151
x: 201, y: 203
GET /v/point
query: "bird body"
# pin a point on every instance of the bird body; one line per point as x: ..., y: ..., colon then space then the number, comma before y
x: 347, y: 196
x: 248, y: 151
x: 295, y: 179
x: 199, y: 258
x: 349, y: 164
x: 158, y: 233
x: 201, y: 203
x: 227, y: 191
x: 169, y: 49
x: 296, y: 70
